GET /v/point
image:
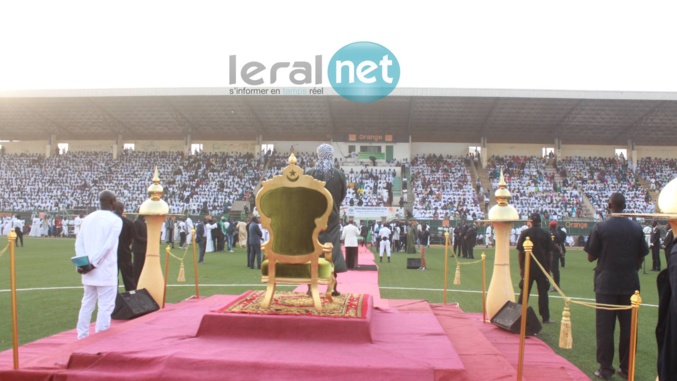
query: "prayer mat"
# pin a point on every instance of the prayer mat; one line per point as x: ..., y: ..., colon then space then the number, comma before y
x: 299, y: 304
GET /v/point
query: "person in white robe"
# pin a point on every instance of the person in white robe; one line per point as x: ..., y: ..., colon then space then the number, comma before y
x: 64, y: 227
x: 189, y: 230
x: 208, y: 230
x: 6, y: 226
x: 487, y: 236
x: 35, y: 227
x: 98, y: 240
x: 44, y: 232
x: 77, y: 222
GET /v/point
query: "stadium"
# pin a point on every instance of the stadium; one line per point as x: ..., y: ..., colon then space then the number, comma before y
x: 235, y: 142
x: 429, y: 155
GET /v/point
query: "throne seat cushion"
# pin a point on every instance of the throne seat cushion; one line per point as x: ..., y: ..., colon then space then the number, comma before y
x: 288, y: 270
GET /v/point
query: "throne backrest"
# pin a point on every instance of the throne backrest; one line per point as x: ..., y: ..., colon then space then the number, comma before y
x: 294, y: 208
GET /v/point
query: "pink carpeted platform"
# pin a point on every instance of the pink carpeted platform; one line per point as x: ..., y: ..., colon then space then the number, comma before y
x: 411, y: 340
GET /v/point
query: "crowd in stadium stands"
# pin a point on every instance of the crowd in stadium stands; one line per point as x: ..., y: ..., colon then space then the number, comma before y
x: 443, y: 188
x: 533, y: 190
x: 209, y: 183
x: 202, y: 183
x: 657, y: 172
x: 599, y: 177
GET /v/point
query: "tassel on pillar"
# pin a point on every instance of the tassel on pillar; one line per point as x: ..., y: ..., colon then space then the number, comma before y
x: 457, y: 277
x: 566, y: 340
x: 182, y: 274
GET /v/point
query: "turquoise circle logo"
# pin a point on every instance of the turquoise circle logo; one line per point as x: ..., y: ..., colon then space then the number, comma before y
x: 364, y: 71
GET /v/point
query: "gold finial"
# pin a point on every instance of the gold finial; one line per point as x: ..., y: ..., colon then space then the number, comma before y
x: 667, y: 199
x: 502, y: 193
x: 155, y: 205
x: 155, y: 190
x: 528, y: 245
x: 292, y: 158
x: 502, y: 211
x: 635, y: 299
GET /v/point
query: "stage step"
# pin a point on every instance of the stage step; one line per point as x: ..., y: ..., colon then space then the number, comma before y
x: 492, y: 345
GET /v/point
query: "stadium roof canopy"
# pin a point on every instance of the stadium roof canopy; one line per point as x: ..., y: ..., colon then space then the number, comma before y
x: 427, y: 115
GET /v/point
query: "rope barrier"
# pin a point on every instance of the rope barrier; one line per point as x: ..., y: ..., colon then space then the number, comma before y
x: 566, y: 339
x: 457, y: 275
x: 182, y: 272
x: 4, y: 250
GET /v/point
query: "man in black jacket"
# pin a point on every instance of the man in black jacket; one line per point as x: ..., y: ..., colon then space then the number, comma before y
x: 254, y: 238
x: 470, y: 239
x: 619, y: 247
x: 139, y: 246
x: 543, y: 247
x: 127, y: 235
x: 200, y: 239
x: 557, y: 253
x: 457, y: 239
x: 655, y: 244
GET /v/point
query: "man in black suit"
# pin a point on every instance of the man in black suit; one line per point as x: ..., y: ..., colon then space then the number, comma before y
x: 542, y: 250
x: 667, y: 244
x: 470, y: 239
x: 254, y: 238
x: 125, y: 240
x: 461, y: 237
x: 139, y: 246
x: 457, y: 238
x: 200, y: 239
x: 655, y: 244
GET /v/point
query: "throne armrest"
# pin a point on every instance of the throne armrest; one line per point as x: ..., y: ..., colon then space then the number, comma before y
x: 326, y: 250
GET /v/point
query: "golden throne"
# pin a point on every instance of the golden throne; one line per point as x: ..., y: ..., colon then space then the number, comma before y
x: 295, y: 208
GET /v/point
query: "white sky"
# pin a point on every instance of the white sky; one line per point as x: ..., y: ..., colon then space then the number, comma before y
x: 562, y: 45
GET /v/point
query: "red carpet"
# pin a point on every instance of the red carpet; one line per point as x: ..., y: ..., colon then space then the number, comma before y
x: 411, y: 340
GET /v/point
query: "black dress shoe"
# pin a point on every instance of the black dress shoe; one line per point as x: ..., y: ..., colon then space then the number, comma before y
x: 604, y: 374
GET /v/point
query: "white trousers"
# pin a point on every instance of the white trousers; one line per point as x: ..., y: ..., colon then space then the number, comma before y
x: 106, y: 296
x: 385, y: 245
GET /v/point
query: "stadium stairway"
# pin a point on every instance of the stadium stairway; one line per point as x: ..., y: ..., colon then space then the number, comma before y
x: 588, y: 209
x: 647, y: 186
x: 486, y: 184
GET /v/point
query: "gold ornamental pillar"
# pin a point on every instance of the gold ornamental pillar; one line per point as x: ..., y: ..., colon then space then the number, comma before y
x: 667, y: 203
x: 502, y: 216
x: 155, y: 210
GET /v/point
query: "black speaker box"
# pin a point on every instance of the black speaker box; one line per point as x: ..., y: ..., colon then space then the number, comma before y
x: 413, y: 263
x: 132, y: 304
x: 509, y: 317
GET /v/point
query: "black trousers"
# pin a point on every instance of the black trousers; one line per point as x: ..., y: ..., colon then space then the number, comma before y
x: 656, y: 257
x: 139, y: 260
x: 457, y: 246
x: 468, y: 250
x: 254, y: 255
x: 606, y: 324
x: 351, y: 256
x: 126, y: 269
x: 542, y: 285
x: 556, y: 257
x: 19, y: 237
x: 202, y: 246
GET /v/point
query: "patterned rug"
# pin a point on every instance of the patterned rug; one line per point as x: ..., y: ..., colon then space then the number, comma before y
x: 299, y: 304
